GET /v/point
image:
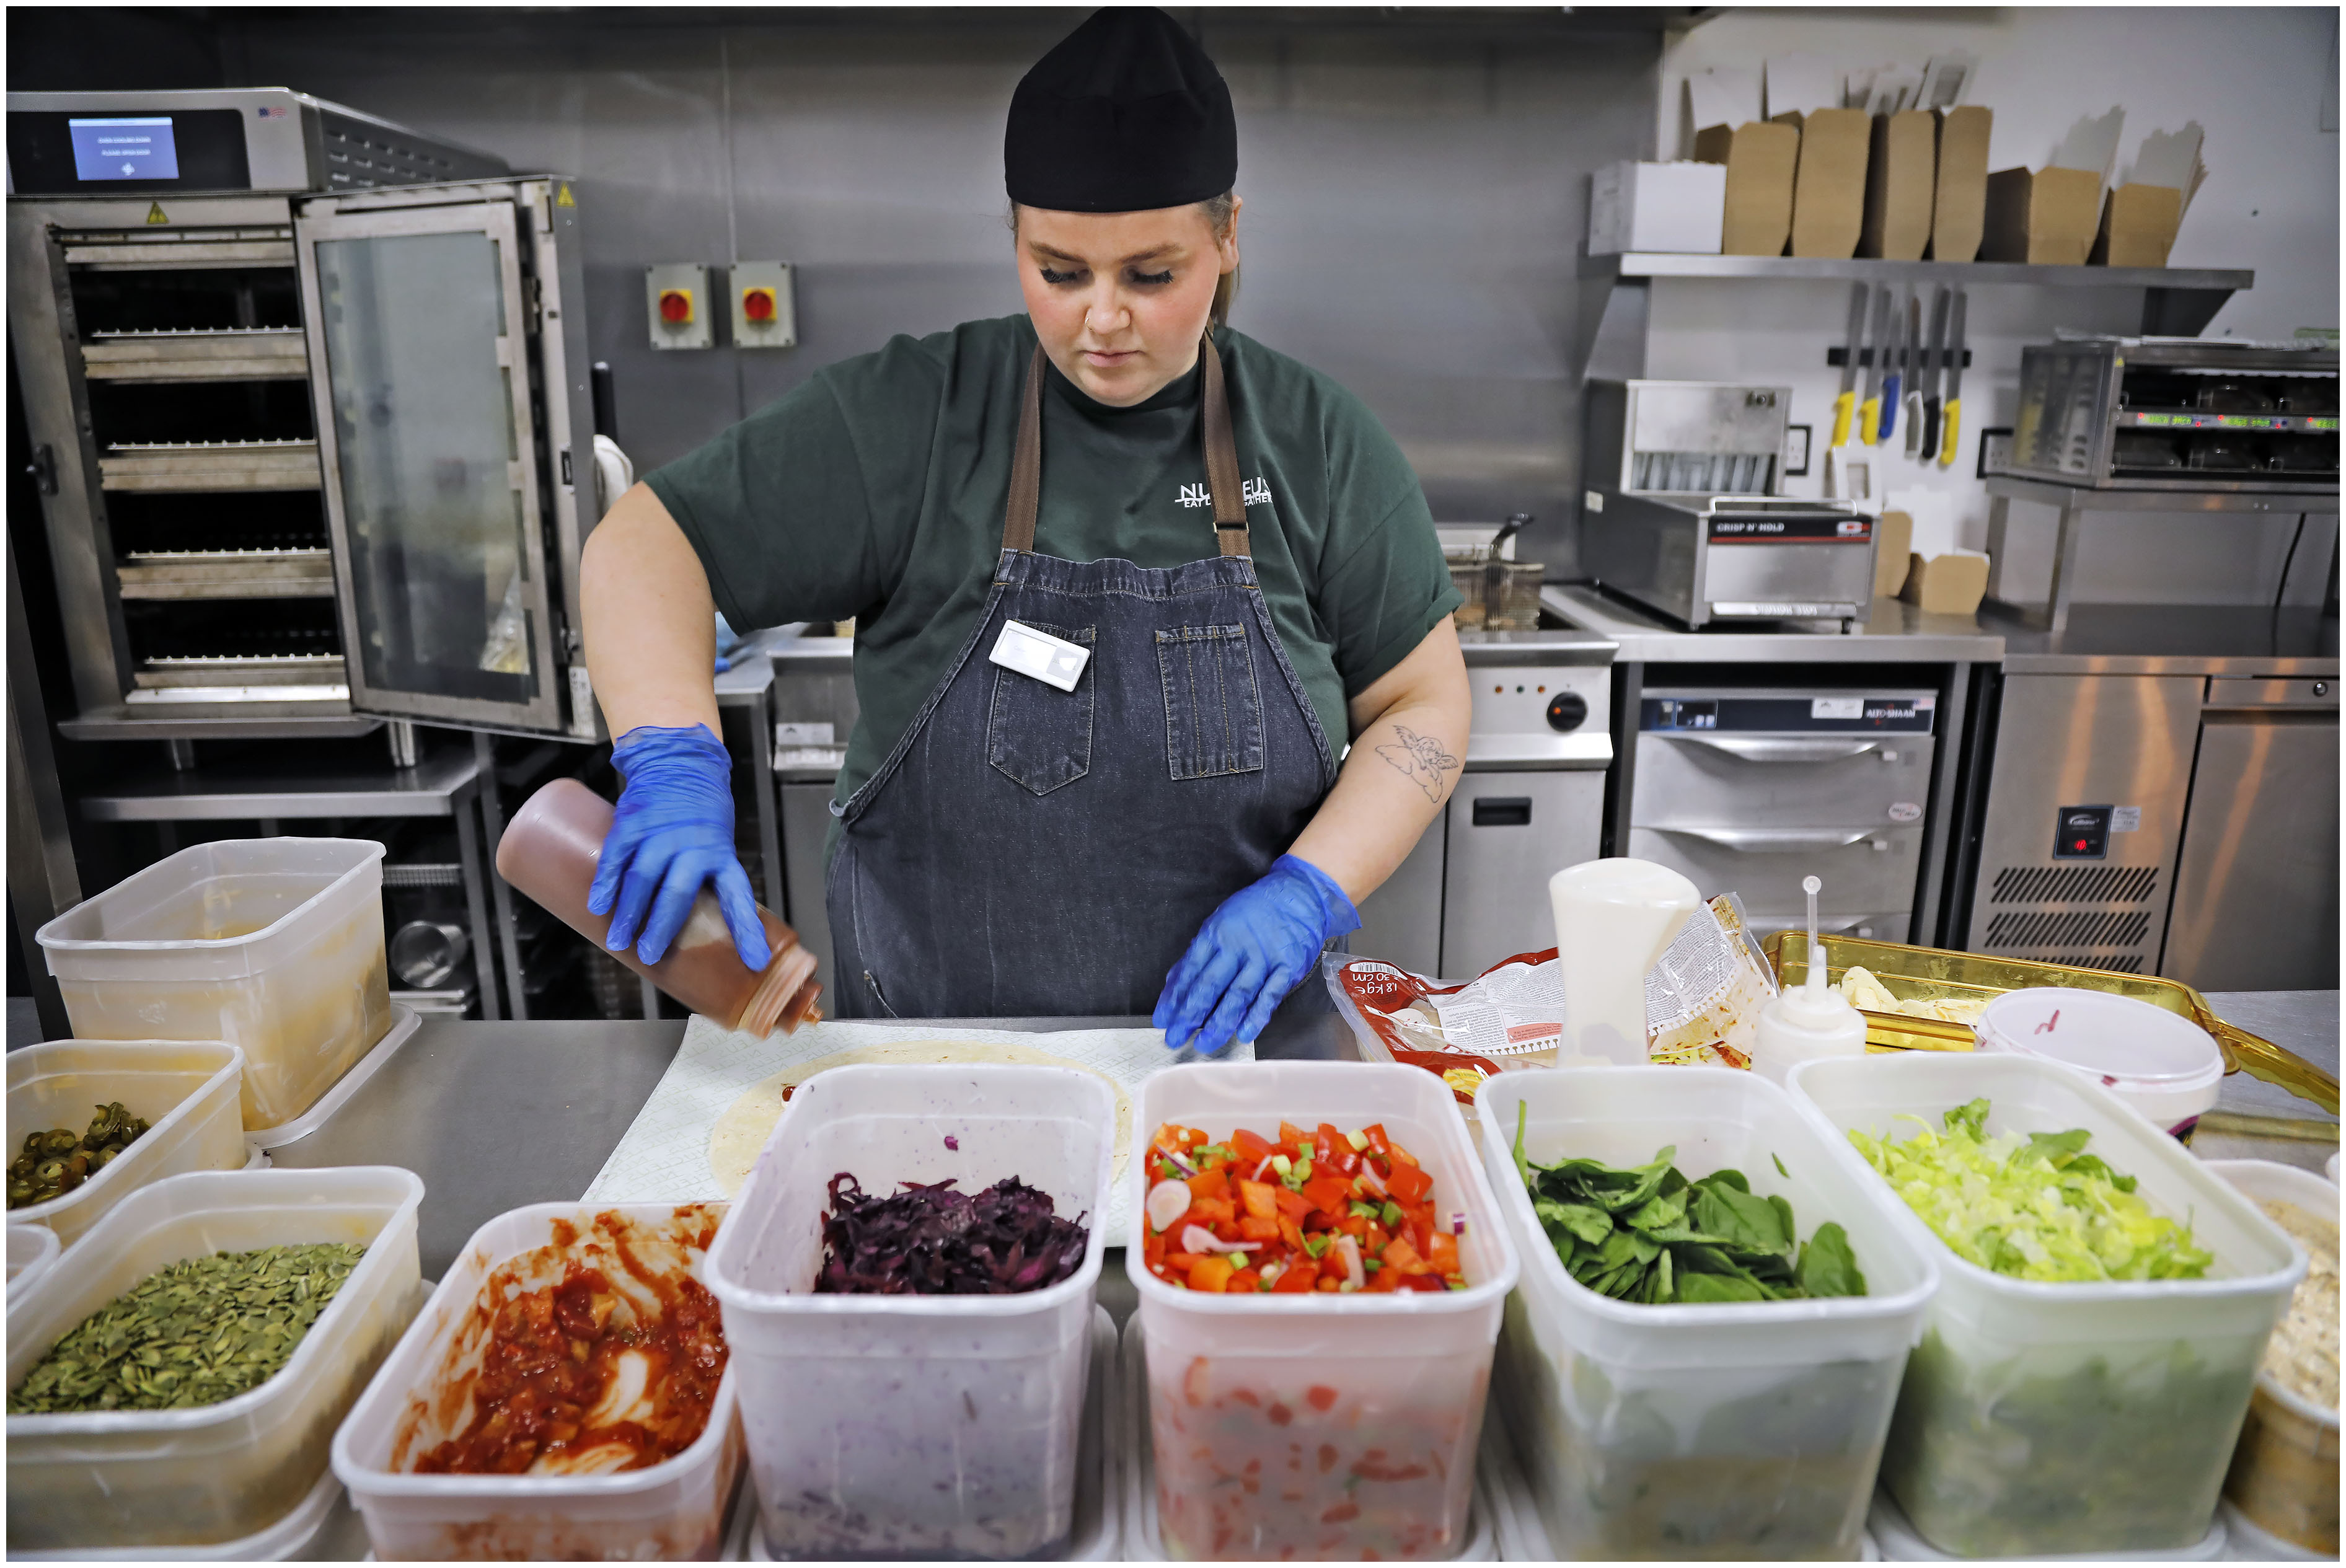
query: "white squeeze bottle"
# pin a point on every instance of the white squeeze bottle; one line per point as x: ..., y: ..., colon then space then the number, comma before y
x: 1613, y: 918
x: 1812, y: 1022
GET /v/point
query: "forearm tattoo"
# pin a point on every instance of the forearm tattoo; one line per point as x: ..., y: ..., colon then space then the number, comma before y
x: 1421, y: 759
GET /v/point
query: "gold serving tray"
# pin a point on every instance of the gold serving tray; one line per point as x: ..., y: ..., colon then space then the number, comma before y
x: 1928, y: 973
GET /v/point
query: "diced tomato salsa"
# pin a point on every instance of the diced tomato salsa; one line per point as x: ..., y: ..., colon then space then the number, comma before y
x: 1317, y: 1210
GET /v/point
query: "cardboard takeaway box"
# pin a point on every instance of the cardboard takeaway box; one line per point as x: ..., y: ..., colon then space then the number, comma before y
x: 2048, y: 217
x: 1760, y: 159
x: 1893, y: 543
x: 1829, y: 189
x: 1949, y: 584
x: 1959, y: 206
x: 2140, y: 217
x: 1901, y: 179
x: 1665, y: 207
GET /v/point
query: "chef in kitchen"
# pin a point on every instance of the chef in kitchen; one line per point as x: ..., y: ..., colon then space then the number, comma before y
x: 1125, y: 584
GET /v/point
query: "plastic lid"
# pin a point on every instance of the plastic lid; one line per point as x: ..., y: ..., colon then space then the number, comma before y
x: 2115, y: 1038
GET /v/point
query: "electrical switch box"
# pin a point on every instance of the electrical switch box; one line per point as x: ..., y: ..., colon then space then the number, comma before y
x: 676, y: 299
x: 765, y: 316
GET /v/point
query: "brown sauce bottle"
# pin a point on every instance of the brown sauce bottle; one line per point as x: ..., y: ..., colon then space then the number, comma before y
x: 549, y: 852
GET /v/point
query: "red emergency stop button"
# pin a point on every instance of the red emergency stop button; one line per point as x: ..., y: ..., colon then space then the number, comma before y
x: 675, y: 307
x: 758, y: 305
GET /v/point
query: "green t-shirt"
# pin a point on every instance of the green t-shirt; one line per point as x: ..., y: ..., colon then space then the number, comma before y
x: 876, y: 490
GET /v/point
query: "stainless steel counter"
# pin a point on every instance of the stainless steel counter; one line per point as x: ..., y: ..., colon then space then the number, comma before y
x: 1898, y: 632
x: 496, y: 1115
x: 2173, y: 639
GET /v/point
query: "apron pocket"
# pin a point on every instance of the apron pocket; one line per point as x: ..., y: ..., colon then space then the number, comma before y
x: 1213, y: 712
x: 1037, y: 735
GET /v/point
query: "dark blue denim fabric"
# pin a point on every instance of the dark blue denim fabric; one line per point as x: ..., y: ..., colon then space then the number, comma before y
x: 1029, y: 852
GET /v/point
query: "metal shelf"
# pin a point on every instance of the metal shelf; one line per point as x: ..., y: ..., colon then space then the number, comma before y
x: 438, y: 786
x: 1662, y: 264
x: 236, y: 720
x: 2177, y: 301
x: 210, y: 465
x: 226, y: 575
x: 222, y: 354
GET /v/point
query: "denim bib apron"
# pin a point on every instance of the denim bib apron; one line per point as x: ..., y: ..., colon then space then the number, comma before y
x: 1025, y: 850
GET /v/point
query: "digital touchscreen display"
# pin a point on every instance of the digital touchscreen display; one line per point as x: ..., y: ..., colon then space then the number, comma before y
x: 140, y: 149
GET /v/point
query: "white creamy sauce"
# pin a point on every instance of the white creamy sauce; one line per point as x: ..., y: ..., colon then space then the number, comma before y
x: 2302, y: 1354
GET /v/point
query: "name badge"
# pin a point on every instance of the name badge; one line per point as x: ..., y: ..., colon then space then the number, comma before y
x: 1053, y: 661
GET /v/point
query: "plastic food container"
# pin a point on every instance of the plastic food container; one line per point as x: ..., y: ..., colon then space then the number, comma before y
x: 30, y: 1249
x: 2284, y: 1474
x: 2040, y: 1417
x: 914, y: 1426
x: 1889, y: 1527
x: 1144, y: 1541
x: 2160, y: 1063
x: 217, y: 1472
x: 672, y: 1510
x: 271, y: 944
x: 185, y: 1088
x: 1366, y: 1406
x: 290, y: 1539
x: 1737, y: 1430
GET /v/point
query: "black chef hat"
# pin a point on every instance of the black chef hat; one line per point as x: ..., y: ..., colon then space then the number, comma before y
x: 1126, y: 114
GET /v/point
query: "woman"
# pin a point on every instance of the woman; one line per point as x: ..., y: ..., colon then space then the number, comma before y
x: 1119, y: 575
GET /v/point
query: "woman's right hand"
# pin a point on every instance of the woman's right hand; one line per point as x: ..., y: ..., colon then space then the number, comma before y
x: 671, y: 834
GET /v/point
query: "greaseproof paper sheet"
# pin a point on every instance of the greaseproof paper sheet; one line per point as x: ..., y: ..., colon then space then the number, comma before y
x: 664, y: 1157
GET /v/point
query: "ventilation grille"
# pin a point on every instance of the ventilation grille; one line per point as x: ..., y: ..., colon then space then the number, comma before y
x: 2129, y: 964
x: 2074, y: 885
x: 2109, y: 929
x: 423, y: 874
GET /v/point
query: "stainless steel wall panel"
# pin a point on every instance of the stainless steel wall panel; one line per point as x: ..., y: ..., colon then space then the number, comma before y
x: 1416, y: 194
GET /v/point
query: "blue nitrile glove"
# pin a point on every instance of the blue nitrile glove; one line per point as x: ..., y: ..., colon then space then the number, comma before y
x: 727, y: 639
x: 1251, y: 951
x: 673, y: 831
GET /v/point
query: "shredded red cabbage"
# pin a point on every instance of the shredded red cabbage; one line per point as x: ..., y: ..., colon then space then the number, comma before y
x: 930, y: 1240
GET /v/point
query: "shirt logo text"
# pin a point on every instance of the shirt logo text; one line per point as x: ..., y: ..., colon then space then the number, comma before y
x: 1254, y: 492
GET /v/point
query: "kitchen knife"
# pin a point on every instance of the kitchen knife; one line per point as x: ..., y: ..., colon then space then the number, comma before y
x: 1953, y: 416
x: 1868, y: 417
x: 1934, y: 367
x: 1845, y: 405
x: 1918, y: 365
x: 1890, y: 372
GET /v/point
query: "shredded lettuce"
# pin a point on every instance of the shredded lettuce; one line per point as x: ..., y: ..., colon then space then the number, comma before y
x: 2031, y: 1208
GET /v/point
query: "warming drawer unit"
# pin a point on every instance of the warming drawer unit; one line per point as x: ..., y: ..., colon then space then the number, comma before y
x: 1747, y: 791
x: 2121, y: 415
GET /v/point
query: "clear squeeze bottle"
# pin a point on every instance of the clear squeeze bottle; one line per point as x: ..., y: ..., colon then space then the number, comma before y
x: 549, y: 852
x: 1812, y: 1022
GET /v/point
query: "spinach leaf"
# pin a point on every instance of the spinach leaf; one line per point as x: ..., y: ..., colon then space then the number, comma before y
x: 1828, y: 1266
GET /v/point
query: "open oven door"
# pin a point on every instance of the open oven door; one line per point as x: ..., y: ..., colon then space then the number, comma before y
x: 443, y: 371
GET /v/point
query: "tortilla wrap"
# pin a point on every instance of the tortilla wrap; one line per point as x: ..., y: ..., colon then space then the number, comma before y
x: 741, y: 1131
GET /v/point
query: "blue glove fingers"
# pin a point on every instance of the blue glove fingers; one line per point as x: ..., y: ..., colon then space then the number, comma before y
x: 648, y: 867
x: 671, y: 905
x: 620, y: 848
x: 1266, y: 1002
x: 740, y: 906
x: 1194, y: 998
x: 1221, y: 1026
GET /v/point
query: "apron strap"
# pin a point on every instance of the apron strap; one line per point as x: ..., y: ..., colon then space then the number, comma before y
x: 1221, y: 460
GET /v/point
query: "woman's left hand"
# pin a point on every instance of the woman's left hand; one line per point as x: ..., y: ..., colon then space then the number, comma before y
x: 1251, y: 951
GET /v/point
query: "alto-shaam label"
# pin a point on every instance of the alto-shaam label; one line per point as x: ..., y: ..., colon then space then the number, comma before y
x: 1762, y: 528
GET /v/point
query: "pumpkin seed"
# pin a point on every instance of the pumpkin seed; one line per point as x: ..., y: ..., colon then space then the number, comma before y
x: 202, y: 1330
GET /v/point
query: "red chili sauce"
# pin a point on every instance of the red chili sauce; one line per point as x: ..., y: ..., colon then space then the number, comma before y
x: 552, y: 1357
